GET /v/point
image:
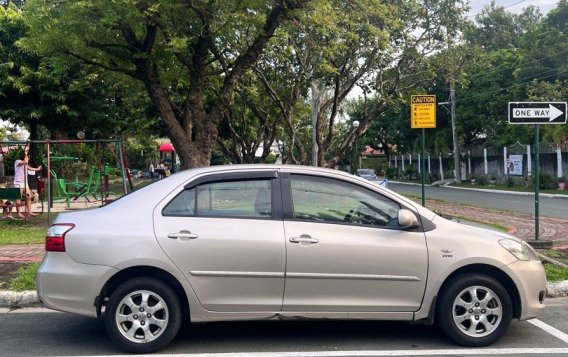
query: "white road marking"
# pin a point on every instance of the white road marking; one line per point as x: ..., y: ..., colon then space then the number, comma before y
x: 386, y: 353
x: 551, y: 330
x: 441, y: 352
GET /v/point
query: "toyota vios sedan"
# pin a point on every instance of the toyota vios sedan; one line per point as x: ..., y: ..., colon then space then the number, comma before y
x: 260, y: 242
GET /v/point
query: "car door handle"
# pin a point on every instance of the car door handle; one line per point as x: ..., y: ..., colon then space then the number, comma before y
x: 304, y: 238
x: 182, y: 235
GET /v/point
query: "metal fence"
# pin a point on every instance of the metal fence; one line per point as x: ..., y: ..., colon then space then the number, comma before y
x: 490, y: 161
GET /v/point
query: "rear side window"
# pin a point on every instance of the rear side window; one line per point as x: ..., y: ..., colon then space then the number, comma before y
x: 183, y: 205
x: 245, y: 199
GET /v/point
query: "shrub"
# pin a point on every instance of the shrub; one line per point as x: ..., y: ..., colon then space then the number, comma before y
x: 410, y: 171
x: 482, y: 180
x: 545, y: 180
x: 392, y: 172
x: 433, y: 177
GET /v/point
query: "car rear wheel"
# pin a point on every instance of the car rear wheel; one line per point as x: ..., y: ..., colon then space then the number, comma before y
x: 474, y: 310
x: 143, y: 315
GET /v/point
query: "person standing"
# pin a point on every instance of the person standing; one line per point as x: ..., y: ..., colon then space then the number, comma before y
x: 151, y: 169
x: 161, y: 170
x: 21, y: 169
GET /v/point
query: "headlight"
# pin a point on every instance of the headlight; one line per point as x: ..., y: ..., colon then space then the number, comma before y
x: 520, y: 250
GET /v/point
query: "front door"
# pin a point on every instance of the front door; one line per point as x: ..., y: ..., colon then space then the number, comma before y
x: 345, y: 251
x: 227, y: 241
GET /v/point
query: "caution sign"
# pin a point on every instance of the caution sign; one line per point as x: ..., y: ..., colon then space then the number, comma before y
x: 422, y: 111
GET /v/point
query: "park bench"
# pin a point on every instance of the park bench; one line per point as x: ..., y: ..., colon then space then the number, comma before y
x: 10, y: 193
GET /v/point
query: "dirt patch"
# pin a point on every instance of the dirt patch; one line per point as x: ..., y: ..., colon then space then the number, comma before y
x: 7, y: 272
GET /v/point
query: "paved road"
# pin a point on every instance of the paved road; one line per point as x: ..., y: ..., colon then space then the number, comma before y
x: 551, y: 207
x: 39, y: 332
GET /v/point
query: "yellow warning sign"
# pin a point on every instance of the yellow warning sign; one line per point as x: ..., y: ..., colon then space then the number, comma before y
x: 422, y: 111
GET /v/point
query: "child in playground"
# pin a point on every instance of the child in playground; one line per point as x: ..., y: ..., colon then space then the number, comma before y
x: 7, y: 208
x: 20, y: 180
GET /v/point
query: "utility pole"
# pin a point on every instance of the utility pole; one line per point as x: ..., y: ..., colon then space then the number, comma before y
x: 317, y: 90
x: 457, y: 158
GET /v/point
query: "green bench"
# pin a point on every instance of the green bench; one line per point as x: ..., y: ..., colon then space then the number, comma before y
x: 10, y: 193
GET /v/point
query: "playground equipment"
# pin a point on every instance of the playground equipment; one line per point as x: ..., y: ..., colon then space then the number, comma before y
x: 76, y: 189
x: 168, y: 156
x: 97, y: 183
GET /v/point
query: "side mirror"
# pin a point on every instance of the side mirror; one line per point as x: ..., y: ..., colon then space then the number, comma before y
x: 407, y: 219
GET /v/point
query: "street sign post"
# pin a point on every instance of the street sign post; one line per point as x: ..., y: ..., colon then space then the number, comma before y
x: 422, y: 116
x: 423, y: 111
x: 537, y: 113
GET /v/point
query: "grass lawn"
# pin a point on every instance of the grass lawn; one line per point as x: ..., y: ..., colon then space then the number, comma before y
x: 33, y: 230
x: 555, y: 273
x: 467, y: 184
x: 25, y: 279
x: 23, y: 231
x: 514, y: 188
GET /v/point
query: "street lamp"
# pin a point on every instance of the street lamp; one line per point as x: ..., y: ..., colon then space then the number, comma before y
x: 355, y: 125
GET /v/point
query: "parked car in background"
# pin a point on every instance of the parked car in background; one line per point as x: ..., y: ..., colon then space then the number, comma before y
x: 367, y: 174
x: 370, y: 175
x: 263, y: 242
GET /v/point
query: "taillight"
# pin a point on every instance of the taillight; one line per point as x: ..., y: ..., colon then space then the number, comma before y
x: 55, y: 239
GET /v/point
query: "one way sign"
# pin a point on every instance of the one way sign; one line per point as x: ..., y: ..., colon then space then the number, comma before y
x: 537, y: 112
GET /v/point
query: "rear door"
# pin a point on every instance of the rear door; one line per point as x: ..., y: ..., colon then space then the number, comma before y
x: 225, y: 232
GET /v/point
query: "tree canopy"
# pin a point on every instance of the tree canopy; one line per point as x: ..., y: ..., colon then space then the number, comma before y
x: 226, y: 80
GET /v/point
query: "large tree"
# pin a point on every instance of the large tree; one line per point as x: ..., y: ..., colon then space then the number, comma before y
x: 375, y: 45
x: 64, y: 98
x: 32, y: 92
x: 189, y: 55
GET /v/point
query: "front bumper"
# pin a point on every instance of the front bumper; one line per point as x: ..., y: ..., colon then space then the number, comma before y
x: 66, y: 285
x: 530, y: 279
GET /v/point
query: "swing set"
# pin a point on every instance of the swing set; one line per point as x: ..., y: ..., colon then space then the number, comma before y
x: 96, y: 185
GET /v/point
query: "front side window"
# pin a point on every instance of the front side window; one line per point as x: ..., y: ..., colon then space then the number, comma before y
x: 334, y: 201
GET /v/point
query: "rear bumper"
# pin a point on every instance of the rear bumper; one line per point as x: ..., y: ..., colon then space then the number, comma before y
x: 65, y: 285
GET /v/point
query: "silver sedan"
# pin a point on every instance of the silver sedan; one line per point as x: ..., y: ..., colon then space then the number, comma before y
x: 257, y: 242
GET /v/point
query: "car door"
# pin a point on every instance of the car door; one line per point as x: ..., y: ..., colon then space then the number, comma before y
x: 346, y: 252
x: 225, y: 233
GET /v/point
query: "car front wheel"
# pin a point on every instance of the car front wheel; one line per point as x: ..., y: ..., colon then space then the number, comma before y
x: 474, y: 310
x: 143, y: 315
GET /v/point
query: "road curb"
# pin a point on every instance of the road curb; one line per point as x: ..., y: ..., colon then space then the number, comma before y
x: 20, y: 299
x: 17, y: 299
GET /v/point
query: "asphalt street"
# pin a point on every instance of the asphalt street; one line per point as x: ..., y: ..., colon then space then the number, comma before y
x: 550, y: 207
x: 41, y: 332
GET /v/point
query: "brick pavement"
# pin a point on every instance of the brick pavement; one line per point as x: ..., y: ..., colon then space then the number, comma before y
x: 520, y: 225
x: 21, y: 253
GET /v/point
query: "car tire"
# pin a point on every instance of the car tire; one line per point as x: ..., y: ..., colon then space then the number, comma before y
x: 143, y: 315
x: 474, y: 310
